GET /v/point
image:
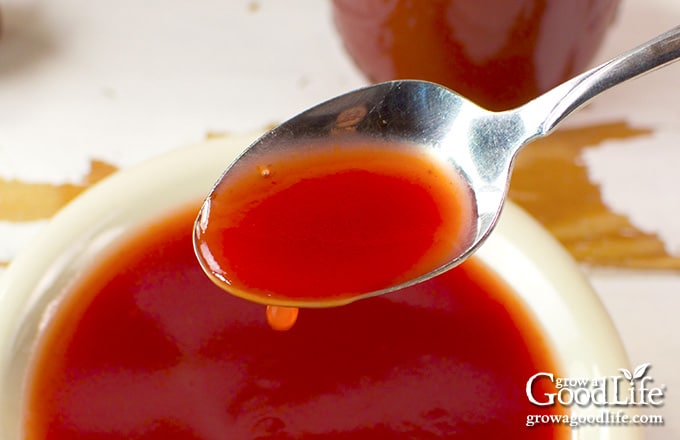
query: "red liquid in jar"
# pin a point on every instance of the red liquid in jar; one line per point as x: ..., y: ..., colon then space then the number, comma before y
x: 498, y: 53
x: 333, y: 223
x: 146, y: 347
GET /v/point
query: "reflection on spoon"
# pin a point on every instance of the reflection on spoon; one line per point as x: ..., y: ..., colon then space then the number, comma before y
x: 424, y: 168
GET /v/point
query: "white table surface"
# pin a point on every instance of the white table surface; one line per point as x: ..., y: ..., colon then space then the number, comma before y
x: 124, y: 81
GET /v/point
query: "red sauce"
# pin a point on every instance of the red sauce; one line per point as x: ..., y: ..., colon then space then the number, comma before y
x: 498, y: 53
x: 332, y: 224
x: 145, y: 346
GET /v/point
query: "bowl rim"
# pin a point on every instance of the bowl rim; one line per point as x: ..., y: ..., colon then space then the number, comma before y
x: 550, y: 284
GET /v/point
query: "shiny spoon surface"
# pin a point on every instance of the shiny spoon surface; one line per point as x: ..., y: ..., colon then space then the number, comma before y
x: 479, y: 144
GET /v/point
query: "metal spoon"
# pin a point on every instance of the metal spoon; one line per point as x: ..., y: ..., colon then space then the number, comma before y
x: 480, y: 144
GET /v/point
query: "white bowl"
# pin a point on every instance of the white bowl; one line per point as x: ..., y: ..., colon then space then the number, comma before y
x: 549, y: 283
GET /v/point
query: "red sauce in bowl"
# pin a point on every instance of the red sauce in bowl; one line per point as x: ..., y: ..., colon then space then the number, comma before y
x: 145, y: 346
x: 326, y: 226
x: 498, y: 53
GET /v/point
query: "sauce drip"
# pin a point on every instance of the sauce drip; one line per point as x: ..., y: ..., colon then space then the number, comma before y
x: 145, y: 346
x: 327, y: 226
x: 281, y: 318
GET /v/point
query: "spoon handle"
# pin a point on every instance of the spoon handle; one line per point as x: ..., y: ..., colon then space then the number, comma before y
x: 569, y: 96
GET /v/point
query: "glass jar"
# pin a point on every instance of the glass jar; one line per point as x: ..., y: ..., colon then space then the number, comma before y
x: 498, y: 53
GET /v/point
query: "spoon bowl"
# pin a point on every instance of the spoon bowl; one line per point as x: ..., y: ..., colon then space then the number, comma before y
x: 475, y: 144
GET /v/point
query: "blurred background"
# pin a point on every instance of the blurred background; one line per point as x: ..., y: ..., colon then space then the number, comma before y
x: 87, y: 88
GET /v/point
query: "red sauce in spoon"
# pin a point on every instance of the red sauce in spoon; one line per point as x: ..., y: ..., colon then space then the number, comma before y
x: 332, y: 224
x: 145, y: 346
